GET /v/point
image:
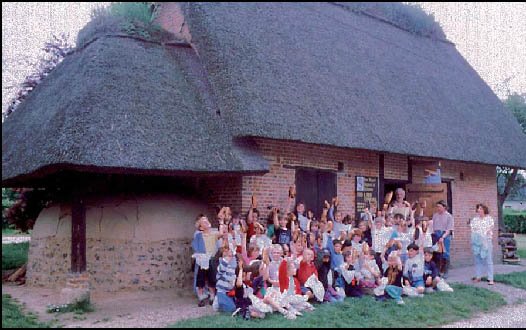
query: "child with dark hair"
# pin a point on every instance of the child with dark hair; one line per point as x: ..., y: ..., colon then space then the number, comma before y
x: 282, y: 234
x: 430, y: 271
x: 326, y: 277
x: 414, y: 269
x: 351, y: 274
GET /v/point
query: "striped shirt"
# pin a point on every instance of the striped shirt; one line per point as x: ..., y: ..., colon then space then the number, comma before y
x: 226, y: 275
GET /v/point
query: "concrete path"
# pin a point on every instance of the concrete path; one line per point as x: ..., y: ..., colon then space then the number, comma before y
x: 512, y: 315
x: 15, y: 239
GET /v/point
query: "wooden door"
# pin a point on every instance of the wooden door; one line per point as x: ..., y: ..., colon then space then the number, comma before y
x: 431, y: 193
x: 313, y: 187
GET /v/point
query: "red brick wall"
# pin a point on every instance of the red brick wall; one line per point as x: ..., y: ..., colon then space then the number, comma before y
x: 220, y: 191
x: 395, y: 167
x: 272, y: 188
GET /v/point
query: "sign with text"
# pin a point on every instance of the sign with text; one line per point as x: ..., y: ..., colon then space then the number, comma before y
x: 366, y: 194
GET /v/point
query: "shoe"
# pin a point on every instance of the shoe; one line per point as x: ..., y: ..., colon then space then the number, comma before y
x: 400, y: 302
x: 236, y: 311
x: 211, y: 301
x: 420, y: 295
x: 201, y: 303
x: 476, y: 279
x: 429, y: 290
x: 491, y: 283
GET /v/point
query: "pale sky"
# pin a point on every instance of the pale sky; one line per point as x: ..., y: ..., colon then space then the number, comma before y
x: 491, y: 36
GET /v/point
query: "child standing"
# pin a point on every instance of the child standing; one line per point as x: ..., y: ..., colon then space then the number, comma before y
x: 204, y: 246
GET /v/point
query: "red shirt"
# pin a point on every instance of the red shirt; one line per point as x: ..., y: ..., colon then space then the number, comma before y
x: 305, y: 271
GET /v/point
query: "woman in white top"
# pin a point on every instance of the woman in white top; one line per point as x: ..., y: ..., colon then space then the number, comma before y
x: 481, y: 242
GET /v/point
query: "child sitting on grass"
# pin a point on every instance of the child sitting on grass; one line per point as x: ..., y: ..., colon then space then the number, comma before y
x: 414, y: 269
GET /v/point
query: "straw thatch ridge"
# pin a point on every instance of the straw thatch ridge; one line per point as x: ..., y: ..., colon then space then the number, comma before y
x: 318, y: 73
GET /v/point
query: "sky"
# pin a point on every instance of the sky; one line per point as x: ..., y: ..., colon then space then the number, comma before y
x: 491, y: 36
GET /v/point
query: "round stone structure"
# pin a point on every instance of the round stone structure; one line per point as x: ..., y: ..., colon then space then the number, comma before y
x: 132, y: 243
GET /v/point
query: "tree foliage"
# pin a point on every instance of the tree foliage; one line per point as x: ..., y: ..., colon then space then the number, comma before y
x: 28, y: 204
x: 513, y: 182
x: 55, y: 51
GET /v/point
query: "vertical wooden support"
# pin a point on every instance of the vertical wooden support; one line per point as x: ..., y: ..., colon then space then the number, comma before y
x: 409, y: 169
x: 381, y: 182
x: 78, y: 236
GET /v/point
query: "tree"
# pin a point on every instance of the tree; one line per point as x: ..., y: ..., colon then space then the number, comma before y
x: 513, y: 181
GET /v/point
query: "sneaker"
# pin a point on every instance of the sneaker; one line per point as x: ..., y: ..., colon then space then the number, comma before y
x: 215, y: 304
x: 400, y: 302
x: 429, y: 290
x: 420, y: 295
x: 201, y: 303
x: 211, y: 300
x: 236, y: 311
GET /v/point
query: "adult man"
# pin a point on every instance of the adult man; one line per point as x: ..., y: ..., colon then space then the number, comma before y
x: 443, y: 225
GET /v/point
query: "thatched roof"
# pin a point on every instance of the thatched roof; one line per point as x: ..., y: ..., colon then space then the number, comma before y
x: 318, y: 73
x: 121, y: 104
x: 311, y: 72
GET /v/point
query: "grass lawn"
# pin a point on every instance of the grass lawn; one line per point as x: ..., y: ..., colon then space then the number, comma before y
x: 13, y: 317
x: 516, y: 279
x: 14, y: 255
x: 431, y: 310
x: 14, y: 232
x: 521, y: 244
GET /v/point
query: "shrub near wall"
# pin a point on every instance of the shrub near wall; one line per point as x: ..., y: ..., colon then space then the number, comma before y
x: 515, y: 223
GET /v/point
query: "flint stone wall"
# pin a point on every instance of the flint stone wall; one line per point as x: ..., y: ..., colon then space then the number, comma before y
x: 139, y: 243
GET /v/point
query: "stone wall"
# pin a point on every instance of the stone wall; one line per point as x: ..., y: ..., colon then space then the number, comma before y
x: 132, y: 243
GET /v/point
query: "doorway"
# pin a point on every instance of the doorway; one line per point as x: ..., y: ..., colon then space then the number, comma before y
x: 313, y: 187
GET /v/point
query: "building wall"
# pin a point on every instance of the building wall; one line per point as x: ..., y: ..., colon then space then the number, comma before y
x: 140, y: 243
x: 272, y: 188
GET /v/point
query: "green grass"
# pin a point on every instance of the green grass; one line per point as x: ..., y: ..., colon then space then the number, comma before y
x: 13, y: 232
x: 521, y: 244
x: 14, y: 255
x: 432, y: 310
x: 13, y: 317
x: 516, y: 279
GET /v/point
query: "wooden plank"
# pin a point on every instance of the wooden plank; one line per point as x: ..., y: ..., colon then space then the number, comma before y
x: 431, y: 193
x: 78, y: 236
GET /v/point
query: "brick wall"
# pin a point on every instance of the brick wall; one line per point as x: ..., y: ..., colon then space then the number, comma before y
x: 221, y: 191
x: 272, y: 188
x: 395, y: 167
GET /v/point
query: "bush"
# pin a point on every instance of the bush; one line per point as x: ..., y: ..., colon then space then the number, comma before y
x: 515, y: 223
x: 14, y: 255
x: 407, y: 16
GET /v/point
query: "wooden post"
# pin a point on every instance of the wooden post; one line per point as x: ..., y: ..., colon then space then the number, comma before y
x: 78, y: 236
x: 381, y: 188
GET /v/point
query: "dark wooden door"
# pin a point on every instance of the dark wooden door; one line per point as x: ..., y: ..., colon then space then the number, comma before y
x: 313, y: 187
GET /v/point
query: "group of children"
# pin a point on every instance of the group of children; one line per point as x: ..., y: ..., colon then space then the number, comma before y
x: 251, y: 268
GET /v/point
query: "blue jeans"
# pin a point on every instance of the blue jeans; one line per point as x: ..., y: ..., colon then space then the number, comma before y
x: 394, y: 292
x: 480, y: 263
x: 447, y: 243
x: 225, y: 303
